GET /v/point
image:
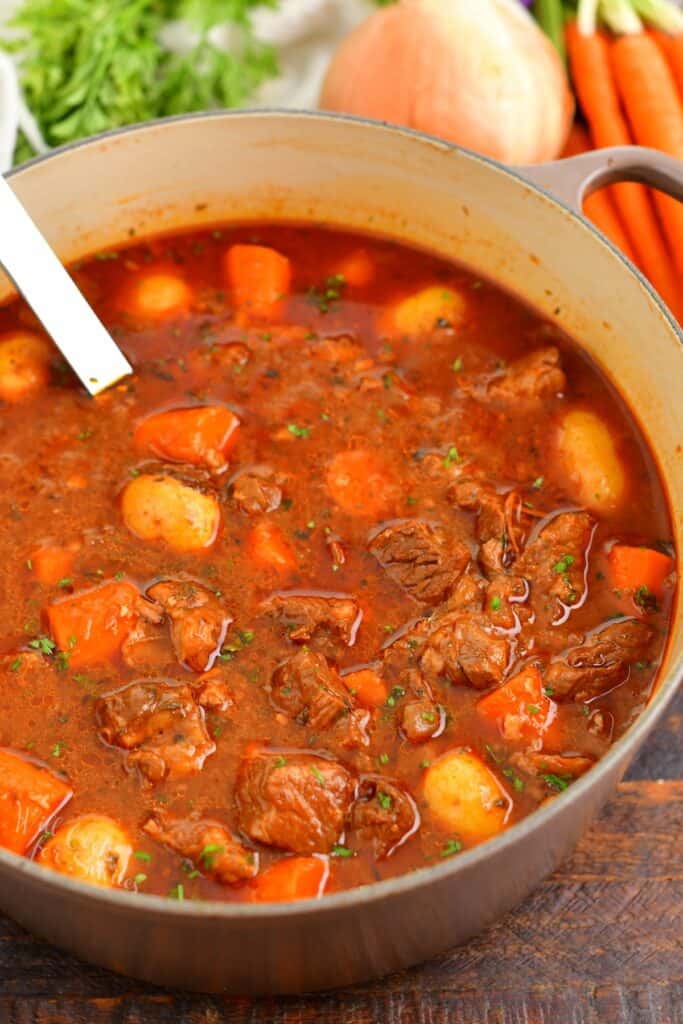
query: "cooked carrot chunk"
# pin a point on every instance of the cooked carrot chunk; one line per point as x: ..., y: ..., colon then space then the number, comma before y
x: 24, y: 364
x: 635, y: 568
x: 93, y: 848
x: 521, y: 708
x: 259, y: 278
x: 268, y: 546
x: 368, y: 688
x: 29, y: 797
x: 52, y: 564
x: 92, y: 626
x: 360, y: 484
x: 157, y: 295
x: 292, y: 878
x: 160, y: 507
x: 199, y: 435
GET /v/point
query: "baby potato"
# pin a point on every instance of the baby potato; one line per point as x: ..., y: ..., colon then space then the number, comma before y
x: 590, y: 460
x: 162, y: 508
x: 465, y: 797
x: 24, y: 364
x: 92, y: 848
x: 157, y: 295
x: 421, y: 312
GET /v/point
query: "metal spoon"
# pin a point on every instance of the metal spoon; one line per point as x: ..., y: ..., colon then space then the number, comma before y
x: 37, y: 273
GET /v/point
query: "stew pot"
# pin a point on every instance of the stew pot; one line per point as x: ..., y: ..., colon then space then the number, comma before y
x: 367, y: 177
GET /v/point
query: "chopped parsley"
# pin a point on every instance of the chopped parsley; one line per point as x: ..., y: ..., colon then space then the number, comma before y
x: 43, y: 644
x: 318, y: 775
x: 279, y: 762
x: 557, y: 782
x: 210, y: 851
x: 564, y: 563
x: 451, y: 847
x: 495, y: 603
x: 331, y: 291
x: 296, y: 431
x: 383, y: 758
x: 538, y: 483
x: 532, y: 709
x: 385, y: 801
x: 517, y: 783
x: 457, y: 365
x: 342, y: 851
x: 453, y: 455
x: 645, y: 599
x: 65, y: 581
x: 396, y: 693
x: 140, y: 878
x: 58, y: 748
x: 177, y: 892
x: 15, y: 665
x: 425, y: 764
x: 548, y: 691
x: 143, y: 855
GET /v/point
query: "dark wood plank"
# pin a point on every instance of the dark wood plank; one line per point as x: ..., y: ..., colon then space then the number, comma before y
x: 601, y: 942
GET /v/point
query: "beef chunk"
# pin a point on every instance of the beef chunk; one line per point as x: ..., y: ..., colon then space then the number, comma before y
x: 420, y: 558
x: 199, y: 621
x: 467, y: 650
x: 421, y: 719
x: 549, y: 774
x: 214, y: 694
x: 208, y: 844
x: 161, y: 727
x: 306, y: 616
x: 600, y: 663
x: 308, y: 689
x: 147, y: 647
x: 295, y: 802
x: 531, y: 378
x: 554, y: 564
x: 384, y: 813
x: 500, y: 522
x: 256, y: 493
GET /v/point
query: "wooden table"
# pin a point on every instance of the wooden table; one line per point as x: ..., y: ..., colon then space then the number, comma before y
x: 601, y: 942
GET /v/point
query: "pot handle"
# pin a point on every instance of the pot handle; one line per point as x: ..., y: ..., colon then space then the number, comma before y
x: 572, y: 180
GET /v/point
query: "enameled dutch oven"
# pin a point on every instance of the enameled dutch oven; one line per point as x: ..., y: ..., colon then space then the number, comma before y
x: 367, y: 177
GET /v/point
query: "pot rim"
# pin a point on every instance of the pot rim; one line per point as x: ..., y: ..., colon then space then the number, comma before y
x: 121, y: 900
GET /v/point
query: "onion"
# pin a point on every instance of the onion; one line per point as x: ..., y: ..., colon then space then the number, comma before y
x: 480, y: 73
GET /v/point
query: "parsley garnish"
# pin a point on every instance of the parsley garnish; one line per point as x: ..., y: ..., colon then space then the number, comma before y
x: 295, y: 431
x: 342, y: 851
x: 451, y: 847
x: 318, y: 775
x: 558, y: 782
x: 385, y: 801
x: 457, y: 365
x: 177, y: 892
x: 452, y: 456
x: 43, y: 644
x: 210, y: 851
x: 495, y: 603
x: 143, y: 855
x: 564, y: 563
x: 330, y: 292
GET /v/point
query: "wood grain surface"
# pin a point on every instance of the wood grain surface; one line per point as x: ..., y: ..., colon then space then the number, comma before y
x: 601, y: 942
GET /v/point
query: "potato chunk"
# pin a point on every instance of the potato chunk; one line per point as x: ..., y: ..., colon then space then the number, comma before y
x: 157, y: 295
x: 92, y: 848
x: 160, y: 507
x: 464, y: 797
x: 24, y: 364
x: 424, y: 310
x: 590, y: 460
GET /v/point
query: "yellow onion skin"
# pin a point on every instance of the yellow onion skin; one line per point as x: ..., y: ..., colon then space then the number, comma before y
x: 479, y: 73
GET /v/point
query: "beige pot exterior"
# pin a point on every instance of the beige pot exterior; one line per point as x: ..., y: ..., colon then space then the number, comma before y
x: 321, y: 169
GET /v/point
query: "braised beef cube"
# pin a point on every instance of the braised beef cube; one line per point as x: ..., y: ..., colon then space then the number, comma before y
x: 215, y: 694
x: 307, y: 616
x: 420, y: 558
x: 601, y: 663
x: 554, y: 564
x: 199, y: 621
x: 535, y: 376
x: 160, y: 726
x: 467, y: 650
x: 421, y: 719
x: 147, y: 647
x: 296, y: 802
x: 384, y: 814
x: 500, y: 525
x: 546, y: 775
x: 256, y: 493
x: 207, y: 844
x: 308, y: 689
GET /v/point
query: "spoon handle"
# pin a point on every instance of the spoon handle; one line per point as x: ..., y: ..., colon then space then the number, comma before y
x: 47, y: 287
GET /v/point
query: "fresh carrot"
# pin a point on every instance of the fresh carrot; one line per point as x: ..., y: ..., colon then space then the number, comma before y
x: 50, y: 564
x: 292, y: 878
x: 90, y: 627
x: 521, y: 708
x: 632, y: 568
x: 259, y: 278
x: 590, y: 63
x: 672, y: 48
x: 359, y: 484
x: 367, y: 687
x: 201, y: 435
x: 268, y: 546
x: 29, y: 797
x: 648, y: 92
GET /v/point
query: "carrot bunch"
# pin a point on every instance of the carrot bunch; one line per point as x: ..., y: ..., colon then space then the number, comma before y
x: 630, y: 89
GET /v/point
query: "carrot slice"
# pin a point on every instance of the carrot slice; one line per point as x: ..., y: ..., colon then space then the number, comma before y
x: 650, y: 97
x: 292, y: 878
x: 92, y: 626
x: 259, y: 278
x: 520, y: 707
x: 360, y: 484
x: 52, y: 564
x: 597, y: 92
x: 632, y: 568
x: 201, y: 435
x: 268, y: 546
x: 29, y: 797
x: 368, y: 688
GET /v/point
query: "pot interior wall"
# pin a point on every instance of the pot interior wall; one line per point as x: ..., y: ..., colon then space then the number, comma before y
x: 326, y: 170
